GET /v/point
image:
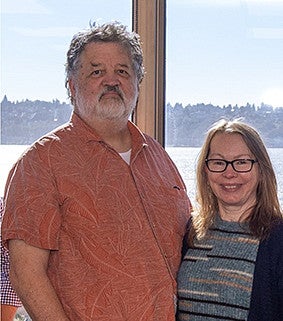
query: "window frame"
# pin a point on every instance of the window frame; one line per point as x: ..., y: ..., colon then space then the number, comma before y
x: 149, y: 21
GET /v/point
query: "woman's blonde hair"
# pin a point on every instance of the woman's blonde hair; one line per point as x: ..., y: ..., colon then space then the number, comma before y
x: 267, y: 209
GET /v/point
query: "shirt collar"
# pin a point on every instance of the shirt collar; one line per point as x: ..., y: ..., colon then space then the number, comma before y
x: 89, y: 134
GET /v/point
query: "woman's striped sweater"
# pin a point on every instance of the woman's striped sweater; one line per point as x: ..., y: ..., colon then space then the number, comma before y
x: 215, y: 278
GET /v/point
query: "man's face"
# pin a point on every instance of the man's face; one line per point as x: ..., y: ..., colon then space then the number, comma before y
x: 105, y: 85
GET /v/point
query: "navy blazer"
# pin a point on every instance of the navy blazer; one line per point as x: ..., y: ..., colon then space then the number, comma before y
x: 267, y: 291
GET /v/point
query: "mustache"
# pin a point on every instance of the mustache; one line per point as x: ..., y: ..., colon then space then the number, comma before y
x: 114, y: 89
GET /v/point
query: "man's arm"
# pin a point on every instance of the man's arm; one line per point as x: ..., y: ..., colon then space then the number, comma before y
x: 28, y: 274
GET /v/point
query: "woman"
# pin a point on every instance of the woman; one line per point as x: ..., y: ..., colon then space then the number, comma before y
x: 233, y: 264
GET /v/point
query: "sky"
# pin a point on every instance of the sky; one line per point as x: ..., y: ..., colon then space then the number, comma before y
x: 218, y: 51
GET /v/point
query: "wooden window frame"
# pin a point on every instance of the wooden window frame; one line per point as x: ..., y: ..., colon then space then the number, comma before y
x: 149, y: 17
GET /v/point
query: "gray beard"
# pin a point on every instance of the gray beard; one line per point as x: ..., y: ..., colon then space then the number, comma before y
x: 111, y: 109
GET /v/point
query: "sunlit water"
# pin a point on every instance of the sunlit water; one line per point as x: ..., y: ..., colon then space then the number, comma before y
x: 184, y: 157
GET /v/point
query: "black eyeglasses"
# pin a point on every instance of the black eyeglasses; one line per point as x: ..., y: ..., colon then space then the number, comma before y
x: 239, y: 165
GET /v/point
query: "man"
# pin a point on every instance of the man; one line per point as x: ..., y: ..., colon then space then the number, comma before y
x: 96, y: 211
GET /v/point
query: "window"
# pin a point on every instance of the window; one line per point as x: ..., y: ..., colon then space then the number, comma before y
x: 35, y: 37
x: 223, y: 59
x: 218, y: 53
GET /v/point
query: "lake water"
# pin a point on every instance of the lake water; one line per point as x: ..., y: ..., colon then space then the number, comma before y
x: 184, y: 157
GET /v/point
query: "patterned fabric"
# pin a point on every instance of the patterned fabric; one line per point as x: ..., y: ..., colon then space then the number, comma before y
x: 216, y: 276
x: 8, y: 295
x: 115, y: 230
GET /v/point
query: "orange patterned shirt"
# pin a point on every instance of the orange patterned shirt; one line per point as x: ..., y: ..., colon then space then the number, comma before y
x: 114, y: 230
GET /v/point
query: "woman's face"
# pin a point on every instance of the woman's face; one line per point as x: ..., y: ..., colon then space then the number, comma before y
x: 235, y: 191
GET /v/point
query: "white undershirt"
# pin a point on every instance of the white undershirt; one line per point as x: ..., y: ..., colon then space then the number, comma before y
x: 126, y: 156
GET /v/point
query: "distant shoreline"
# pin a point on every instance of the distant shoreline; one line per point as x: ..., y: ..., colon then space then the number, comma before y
x: 24, y: 122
